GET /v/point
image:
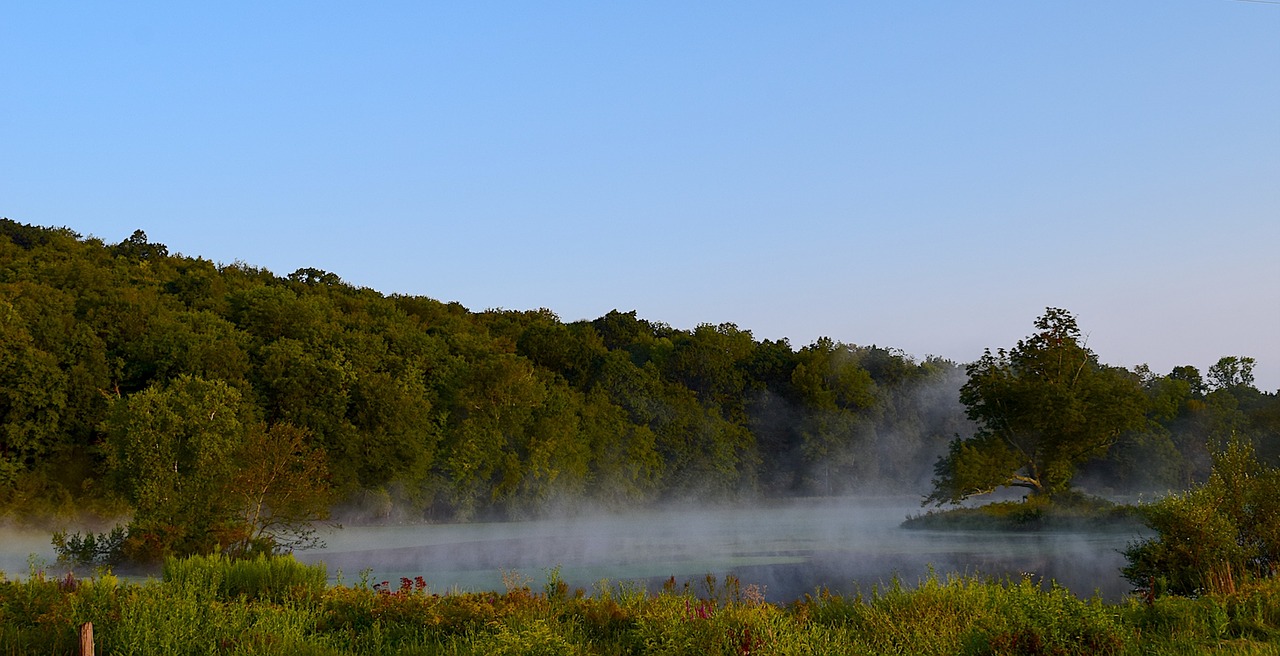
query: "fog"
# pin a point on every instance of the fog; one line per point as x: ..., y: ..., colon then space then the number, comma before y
x: 788, y: 548
x: 846, y: 545
x: 18, y: 545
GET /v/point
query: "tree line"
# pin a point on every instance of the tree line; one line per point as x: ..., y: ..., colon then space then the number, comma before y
x: 136, y: 380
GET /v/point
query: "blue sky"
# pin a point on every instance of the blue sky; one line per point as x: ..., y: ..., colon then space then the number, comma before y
x: 921, y: 175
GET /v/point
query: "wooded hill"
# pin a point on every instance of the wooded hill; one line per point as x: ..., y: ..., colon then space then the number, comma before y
x: 455, y: 414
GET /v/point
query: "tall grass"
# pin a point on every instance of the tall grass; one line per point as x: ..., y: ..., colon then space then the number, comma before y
x: 267, y: 578
x: 215, y: 605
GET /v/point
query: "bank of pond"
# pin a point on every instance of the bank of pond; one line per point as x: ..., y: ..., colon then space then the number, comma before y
x: 278, y: 605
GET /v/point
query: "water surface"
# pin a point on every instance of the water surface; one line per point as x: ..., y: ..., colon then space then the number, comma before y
x: 790, y: 549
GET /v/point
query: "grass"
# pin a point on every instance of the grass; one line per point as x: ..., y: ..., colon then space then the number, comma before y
x: 278, y: 606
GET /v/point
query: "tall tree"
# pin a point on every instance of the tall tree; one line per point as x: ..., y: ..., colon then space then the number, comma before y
x: 33, y: 398
x: 1042, y: 408
x: 281, y: 489
x: 1232, y: 371
x: 172, y: 450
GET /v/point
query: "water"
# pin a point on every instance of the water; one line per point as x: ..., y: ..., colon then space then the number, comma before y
x: 22, y: 547
x: 790, y: 549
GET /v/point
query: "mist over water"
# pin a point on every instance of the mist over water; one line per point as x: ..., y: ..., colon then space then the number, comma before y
x: 846, y: 545
x: 789, y: 548
x: 18, y: 545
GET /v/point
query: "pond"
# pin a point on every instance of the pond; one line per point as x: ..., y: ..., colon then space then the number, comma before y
x: 789, y: 549
x: 22, y: 547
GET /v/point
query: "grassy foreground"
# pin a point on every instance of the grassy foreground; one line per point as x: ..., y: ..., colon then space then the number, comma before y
x: 279, y: 606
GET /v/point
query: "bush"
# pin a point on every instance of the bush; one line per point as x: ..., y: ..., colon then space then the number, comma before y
x: 1213, y: 537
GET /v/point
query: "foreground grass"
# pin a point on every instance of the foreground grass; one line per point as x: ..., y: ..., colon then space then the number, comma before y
x: 279, y: 606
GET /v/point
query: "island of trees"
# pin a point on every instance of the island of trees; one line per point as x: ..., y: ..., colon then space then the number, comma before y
x: 224, y: 407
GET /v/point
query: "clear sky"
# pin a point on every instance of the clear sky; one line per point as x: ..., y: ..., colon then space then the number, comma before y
x: 924, y: 175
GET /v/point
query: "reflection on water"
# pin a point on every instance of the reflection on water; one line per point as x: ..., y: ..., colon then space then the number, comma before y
x: 792, y: 549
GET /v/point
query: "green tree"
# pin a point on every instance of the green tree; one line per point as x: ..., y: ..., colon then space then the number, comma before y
x: 836, y: 433
x: 281, y: 489
x: 33, y: 397
x: 137, y: 247
x: 173, y: 452
x: 203, y: 475
x: 484, y: 454
x: 1232, y: 371
x: 625, y: 464
x: 1041, y: 409
x: 710, y: 362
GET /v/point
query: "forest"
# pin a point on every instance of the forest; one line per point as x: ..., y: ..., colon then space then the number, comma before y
x: 222, y: 404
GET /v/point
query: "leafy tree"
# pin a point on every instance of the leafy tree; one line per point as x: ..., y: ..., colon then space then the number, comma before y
x: 1150, y: 459
x: 395, y: 435
x: 312, y: 276
x: 835, y: 434
x: 1191, y: 376
x: 202, y: 475
x: 554, y: 458
x: 481, y: 458
x: 1042, y: 408
x: 1232, y: 371
x: 198, y: 343
x: 710, y: 361
x: 29, y: 236
x: 274, y: 312
x: 622, y: 329
x: 281, y: 490
x: 172, y: 449
x: 309, y: 388
x: 137, y: 247
x: 830, y: 376
x: 33, y: 395
x: 573, y: 351
x: 625, y: 465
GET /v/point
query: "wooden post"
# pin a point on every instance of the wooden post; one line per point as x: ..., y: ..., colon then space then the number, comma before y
x: 86, y: 639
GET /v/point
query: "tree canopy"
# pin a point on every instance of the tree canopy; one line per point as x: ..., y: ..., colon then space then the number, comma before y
x: 1042, y: 409
x: 120, y: 360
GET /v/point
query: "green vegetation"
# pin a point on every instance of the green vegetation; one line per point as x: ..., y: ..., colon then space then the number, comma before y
x: 1066, y: 512
x: 226, y: 409
x: 277, y: 606
x: 1048, y: 415
x: 1216, y: 536
x: 1042, y: 409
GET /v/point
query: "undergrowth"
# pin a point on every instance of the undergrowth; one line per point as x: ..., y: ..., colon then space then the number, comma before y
x: 215, y: 605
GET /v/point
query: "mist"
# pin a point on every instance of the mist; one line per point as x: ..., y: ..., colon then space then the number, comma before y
x: 18, y: 546
x: 789, y: 549
x: 787, y: 546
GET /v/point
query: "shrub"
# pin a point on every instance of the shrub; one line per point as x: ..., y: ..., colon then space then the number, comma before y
x: 1029, y: 620
x: 1215, y: 536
